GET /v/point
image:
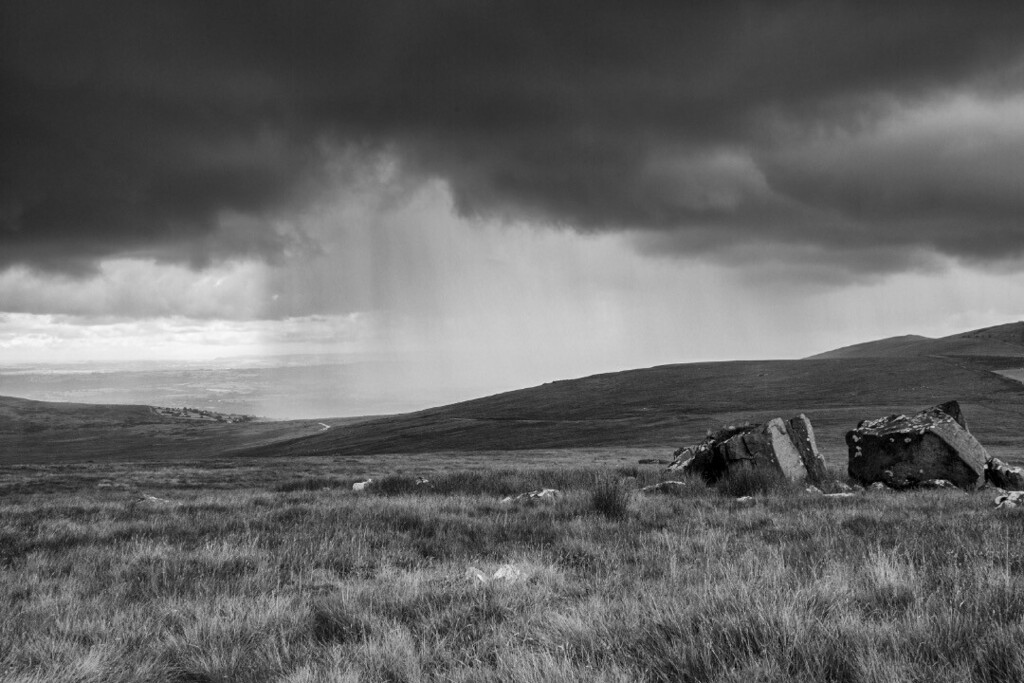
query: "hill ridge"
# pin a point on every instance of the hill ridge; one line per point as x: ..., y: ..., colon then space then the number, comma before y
x: 1005, y: 340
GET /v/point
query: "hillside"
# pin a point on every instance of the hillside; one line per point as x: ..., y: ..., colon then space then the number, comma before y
x: 671, y: 405
x: 1000, y: 341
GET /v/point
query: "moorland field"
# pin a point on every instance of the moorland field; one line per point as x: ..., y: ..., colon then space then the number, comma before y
x: 139, y: 546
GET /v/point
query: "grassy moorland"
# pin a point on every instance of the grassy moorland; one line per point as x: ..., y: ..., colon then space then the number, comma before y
x: 275, y: 570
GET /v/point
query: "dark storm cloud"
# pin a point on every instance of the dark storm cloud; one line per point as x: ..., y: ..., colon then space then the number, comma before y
x: 161, y: 127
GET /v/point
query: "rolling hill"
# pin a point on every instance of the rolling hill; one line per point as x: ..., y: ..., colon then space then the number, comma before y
x: 657, y: 408
x: 1000, y: 341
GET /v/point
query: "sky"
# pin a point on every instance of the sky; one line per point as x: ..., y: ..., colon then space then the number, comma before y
x: 491, y: 195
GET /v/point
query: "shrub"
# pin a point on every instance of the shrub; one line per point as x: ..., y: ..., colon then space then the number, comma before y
x: 610, y: 498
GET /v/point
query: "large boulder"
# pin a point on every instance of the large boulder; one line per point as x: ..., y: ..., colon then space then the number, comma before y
x: 903, y: 452
x: 785, y: 446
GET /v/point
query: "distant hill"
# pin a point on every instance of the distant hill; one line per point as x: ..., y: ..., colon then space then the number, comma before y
x: 19, y: 415
x: 1000, y: 341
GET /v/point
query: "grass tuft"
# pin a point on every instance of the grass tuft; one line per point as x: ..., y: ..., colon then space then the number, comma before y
x: 610, y: 498
x: 752, y: 482
x: 335, y: 620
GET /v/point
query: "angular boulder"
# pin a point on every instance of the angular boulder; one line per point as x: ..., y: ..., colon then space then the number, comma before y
x: 1001, y: 475
x: 785, y: 446
x: 904, y: 452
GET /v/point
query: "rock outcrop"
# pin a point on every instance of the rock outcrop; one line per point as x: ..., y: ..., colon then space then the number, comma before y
x: 1001, y: 475
x: 904, y: 452
x: 785, y: 446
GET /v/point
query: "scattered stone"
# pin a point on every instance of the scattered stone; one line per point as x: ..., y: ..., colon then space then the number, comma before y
x: 998, y: 473
x: 474, y: 574
x: 665, y: 487
x: 813, y: 489
x: 1010, y: 500
x: 903, y: 451
x: 653, y: 461
x: 840, y: 495
x: 153, y: 500
x: 785, y: 446
x: 509, y: 573
x: 745, y: 500
x: 362, y: 485
x: 532, y: 495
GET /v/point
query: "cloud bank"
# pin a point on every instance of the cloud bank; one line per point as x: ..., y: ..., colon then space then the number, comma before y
x: 193, y: 132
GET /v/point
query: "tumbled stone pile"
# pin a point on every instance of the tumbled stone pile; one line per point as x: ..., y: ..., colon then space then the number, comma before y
x: 784, y: 446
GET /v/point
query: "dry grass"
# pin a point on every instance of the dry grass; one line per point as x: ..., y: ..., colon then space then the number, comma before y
x: 243, y: 573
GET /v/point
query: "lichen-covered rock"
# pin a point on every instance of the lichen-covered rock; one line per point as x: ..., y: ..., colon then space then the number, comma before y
x: 998, y: 473
x: 1010, y: 500
x: 785, y: 446
x: 902, y: 452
